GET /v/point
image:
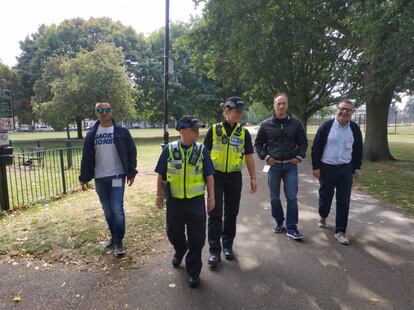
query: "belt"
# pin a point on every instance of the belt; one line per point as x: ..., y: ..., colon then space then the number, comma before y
x: 337, y: 165
x: 283, y: 161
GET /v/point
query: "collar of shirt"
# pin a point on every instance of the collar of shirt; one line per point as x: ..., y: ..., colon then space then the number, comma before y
x: 338, y: 125
x: 229, y: 128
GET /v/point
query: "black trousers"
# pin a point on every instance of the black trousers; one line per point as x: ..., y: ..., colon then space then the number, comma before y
x: 339, y: 178
x: 227, y: 192
x: 190, y: 214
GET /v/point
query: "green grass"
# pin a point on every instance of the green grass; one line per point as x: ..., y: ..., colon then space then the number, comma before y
x: 69, y: 231
x: 42, y: 180
x: 57, y: 135
x: 392, y: 182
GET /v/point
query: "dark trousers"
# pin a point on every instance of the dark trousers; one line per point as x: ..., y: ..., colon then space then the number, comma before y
x: 337, y: 178
x: 190, y: 214
x: 227, y: 189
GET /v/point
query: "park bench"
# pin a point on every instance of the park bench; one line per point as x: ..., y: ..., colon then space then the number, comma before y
x: 31, y: 156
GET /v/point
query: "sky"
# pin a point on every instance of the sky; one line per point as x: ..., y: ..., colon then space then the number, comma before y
x: 20, y: 18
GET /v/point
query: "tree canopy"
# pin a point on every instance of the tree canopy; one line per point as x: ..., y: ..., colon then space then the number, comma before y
x: 89, y: 78
x: 262, y: 47
x: 382, y: 32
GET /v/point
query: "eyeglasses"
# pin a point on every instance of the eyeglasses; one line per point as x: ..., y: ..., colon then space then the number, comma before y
x: 345, y: 110
x: 101, y: 110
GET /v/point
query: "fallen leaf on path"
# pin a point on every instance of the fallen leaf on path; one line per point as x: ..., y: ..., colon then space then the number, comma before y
x: 374, y: 300
x: 17, y: 298
x: 172, y: 285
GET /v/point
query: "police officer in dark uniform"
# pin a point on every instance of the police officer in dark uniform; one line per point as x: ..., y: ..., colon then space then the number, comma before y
x: 230, y: 145
x: 184, y: 168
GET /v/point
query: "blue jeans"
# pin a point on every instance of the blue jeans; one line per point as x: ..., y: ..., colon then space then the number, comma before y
x: 289, y: 174
x: 112, y: 201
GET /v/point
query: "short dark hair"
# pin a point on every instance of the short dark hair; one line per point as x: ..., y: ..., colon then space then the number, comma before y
x: 347, y: 101
x: 280, y: 94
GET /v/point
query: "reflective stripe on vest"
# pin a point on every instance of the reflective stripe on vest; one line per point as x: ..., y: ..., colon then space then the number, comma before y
x: 186, y: 180
x: 228, y: 156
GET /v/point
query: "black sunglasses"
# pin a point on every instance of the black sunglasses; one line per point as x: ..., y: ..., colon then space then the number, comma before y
x: 101, y: 110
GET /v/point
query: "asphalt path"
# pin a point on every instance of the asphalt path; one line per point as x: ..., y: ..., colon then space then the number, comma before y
x: 271, y: 271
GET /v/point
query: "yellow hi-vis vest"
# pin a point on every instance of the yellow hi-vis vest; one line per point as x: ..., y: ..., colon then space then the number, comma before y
x: 227, y: 152
x: 185, y: 171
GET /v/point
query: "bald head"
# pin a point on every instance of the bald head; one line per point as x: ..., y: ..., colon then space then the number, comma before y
x: 102, y: 105
x: 103, y: 112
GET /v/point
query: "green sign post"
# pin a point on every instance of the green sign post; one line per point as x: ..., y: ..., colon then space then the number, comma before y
x: 6, y: 110
x: 6, y: 113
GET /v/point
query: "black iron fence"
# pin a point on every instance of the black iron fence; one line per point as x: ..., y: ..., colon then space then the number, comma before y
x: 38, y: 174
x: 48, y: 143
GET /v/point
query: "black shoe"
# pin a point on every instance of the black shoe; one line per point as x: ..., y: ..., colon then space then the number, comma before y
x: 214, y: 259
x: 193, y: 281
x: 176, y: 260
x: 119, y: 250
x: 228, y: 253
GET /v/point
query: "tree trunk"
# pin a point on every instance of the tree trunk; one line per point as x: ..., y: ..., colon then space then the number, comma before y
x: 299, y: 114
x: 67, y: 131
x: 79, y: 128
x: 304, y: 120
x: 376, y: 135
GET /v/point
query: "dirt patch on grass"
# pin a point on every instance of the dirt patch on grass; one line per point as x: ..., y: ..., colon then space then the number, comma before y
x: 68, y: 231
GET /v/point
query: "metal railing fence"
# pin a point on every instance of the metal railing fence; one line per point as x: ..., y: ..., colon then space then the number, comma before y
x: 40, y: 175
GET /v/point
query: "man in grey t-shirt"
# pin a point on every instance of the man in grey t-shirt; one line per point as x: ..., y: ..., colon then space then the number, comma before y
x: 109, y: 156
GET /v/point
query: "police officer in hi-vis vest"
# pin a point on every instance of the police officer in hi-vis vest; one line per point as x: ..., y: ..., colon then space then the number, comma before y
x: 184, y: 168
x: 230, y: 145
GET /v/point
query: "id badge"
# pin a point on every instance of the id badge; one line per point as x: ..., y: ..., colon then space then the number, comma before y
x: 117, y: 182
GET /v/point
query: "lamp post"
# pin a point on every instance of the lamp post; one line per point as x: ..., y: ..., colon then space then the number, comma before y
x: 166, y: 73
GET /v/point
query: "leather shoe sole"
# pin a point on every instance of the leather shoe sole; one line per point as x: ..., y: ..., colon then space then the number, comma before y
x: 193, y: 281
x: 214, y: 260
x: 176, y: 261
x: 228, y: 254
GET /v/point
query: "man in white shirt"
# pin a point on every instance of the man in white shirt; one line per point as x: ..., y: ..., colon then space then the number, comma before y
x: 336, y: 157
x: 109, y: 156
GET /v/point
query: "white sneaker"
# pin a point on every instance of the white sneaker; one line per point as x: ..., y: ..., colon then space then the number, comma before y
x: 342, y: 238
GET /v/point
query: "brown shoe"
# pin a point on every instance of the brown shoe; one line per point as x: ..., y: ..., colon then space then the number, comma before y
x: 342, y: 238
x: 322, y: 223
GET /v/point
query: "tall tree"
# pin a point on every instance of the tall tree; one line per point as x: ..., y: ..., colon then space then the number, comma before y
x: 190, y: 89
x: 383, y: 33
x: 10, y: 81
x: 271, y: 46
x: 91, y: 77
x: 68, y: 39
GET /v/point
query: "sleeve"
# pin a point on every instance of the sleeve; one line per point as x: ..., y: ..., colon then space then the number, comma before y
x: 208, y: 139
x: 260, y: 143
x: 317, y: 150
x: 161, y: 167
x: 132, y: 156
x: 83, y: 176
x: 207, y: 163
x: 248, y: 144
x: 357, y: 148
x: 301, y: 141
